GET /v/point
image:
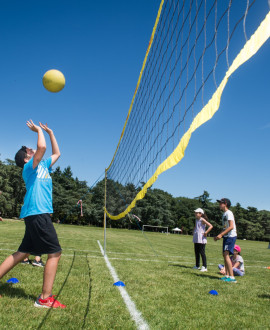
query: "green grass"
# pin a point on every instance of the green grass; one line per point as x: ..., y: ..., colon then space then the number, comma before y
x: 165, y: 289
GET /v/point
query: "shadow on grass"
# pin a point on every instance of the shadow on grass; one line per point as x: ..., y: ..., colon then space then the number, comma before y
x: 181, y: 266
x: 89, y: 293
x: 209, y: 276
x: 10, y: 290
x: 196, y: 273
x: 264, y: 296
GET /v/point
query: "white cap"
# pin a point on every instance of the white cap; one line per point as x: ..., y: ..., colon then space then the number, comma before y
x: 199, y: 210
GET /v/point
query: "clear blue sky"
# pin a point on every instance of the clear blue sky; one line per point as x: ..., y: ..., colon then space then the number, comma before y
x: 100, y: 47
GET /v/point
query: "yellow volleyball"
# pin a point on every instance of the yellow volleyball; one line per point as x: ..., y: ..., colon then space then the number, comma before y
x: 54, y: 81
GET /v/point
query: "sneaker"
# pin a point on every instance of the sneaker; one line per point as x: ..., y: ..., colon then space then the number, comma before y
x: 203, y: 269
x: 231, y: 280
x: 38, y: 263
x: 26, y: 262
x: 50, y: 302
x: 224, y: 278
x: 195, y: 267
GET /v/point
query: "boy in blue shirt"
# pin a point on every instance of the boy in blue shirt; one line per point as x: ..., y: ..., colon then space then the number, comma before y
x: 40, y: 235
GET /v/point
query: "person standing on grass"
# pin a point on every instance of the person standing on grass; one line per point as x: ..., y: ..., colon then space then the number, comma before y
x: 40, y: 235
x: 199, y: 238
x: 229, y: 235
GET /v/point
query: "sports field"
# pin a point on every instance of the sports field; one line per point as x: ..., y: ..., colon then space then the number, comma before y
x: 160, y: 282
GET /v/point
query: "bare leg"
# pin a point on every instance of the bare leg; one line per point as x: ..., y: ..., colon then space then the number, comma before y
x: 49, y: 274
x: 11, y: 262
x: 37, y: 258
x: 228, y: 263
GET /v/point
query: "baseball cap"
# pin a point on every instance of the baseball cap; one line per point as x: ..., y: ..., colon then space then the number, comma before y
x: 237, y: 248
x: 19, y: 157
x: 224, y: 201
x: 199, y: 210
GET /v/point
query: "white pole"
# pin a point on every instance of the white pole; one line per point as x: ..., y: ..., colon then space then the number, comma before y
x: 105, y: 215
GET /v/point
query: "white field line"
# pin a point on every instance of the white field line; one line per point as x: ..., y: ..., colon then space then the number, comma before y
x: 130, y: 253
x: 133, y: 254
x: 12, y: 244
x: 139, y: 260
x: 134, y: 313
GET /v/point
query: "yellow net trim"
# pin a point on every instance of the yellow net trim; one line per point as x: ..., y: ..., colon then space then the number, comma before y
x: 140, y: 77
x: 251, y: 47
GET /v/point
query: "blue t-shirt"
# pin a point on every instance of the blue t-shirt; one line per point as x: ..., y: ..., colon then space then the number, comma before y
x: 38, y: 182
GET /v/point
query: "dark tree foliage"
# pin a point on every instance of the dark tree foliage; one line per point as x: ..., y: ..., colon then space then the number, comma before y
x: 12, y: 189
x: 158, y: 208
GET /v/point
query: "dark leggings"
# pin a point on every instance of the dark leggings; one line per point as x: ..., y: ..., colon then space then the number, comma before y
x: 200, y: 250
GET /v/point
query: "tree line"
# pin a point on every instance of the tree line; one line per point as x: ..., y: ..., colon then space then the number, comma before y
x: 158, y: 208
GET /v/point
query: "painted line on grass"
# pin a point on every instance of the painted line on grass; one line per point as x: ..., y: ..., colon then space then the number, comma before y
x: 134, y: 313
x: 134, y: 254
x: 142, y: 260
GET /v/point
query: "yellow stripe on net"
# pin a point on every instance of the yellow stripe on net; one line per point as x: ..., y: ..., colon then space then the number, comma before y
x: 251, y: 47
x: 140, y: 77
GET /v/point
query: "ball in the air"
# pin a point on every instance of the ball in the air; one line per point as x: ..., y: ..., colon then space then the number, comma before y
x: 54, y: 81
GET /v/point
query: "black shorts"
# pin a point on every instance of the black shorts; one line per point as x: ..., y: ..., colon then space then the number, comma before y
x: 40, y: 236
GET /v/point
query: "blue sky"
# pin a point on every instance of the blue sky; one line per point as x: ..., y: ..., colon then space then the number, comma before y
x: 100, y: 47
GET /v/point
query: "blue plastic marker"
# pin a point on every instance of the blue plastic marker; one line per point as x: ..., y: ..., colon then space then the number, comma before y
x: 13, y: 280
x: 213, y: 292
x: 119, y: 283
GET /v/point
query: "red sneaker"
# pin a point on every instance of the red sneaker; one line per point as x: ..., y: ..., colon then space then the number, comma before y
x: 50, y: 302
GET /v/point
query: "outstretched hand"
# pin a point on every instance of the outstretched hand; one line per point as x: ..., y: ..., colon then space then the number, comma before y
x: 218, y: 237
x: 32, y: 126
x: 45, y: 127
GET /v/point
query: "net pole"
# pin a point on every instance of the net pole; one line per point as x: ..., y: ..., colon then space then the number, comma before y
x: 105, y: 215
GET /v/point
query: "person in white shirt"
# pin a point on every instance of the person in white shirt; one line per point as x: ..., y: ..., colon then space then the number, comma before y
x: 229, y: 235
x: 200, y: 238
x: 237, y: 263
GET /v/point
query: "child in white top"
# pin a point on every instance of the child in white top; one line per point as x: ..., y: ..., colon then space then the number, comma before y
x: 237, y: 263
x: 199, y: 238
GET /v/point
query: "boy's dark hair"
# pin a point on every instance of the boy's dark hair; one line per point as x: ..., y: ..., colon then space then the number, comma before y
x: 225, y: 201
x: 20, y: 156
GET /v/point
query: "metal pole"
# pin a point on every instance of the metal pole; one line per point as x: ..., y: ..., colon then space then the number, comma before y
x: 105, y: 215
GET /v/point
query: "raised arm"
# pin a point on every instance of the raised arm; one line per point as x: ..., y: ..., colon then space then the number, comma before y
x: 55, y: 149
x: 41, y: 143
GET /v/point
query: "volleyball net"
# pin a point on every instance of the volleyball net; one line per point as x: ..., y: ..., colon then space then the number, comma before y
x: 195, y: 46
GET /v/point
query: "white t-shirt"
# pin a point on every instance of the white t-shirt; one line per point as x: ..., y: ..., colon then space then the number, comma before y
x: 228, y: 215
x: 240, y: 260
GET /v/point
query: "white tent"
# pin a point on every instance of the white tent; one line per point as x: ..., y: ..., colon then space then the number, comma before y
x: 176, y: 230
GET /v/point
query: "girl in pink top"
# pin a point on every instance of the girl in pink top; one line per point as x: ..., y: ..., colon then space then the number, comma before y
x: 199, y: 238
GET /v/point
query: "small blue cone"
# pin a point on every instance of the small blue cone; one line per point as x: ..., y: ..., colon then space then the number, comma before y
x: 213, y: 292
x: 13, y: 280
x: 119, y: 283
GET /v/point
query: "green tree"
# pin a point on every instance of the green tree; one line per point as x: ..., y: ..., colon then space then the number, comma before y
x: 157, y: 208
x: 204, y: 199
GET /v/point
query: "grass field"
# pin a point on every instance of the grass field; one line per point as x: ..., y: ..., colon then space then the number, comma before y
x: 157, y: 271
